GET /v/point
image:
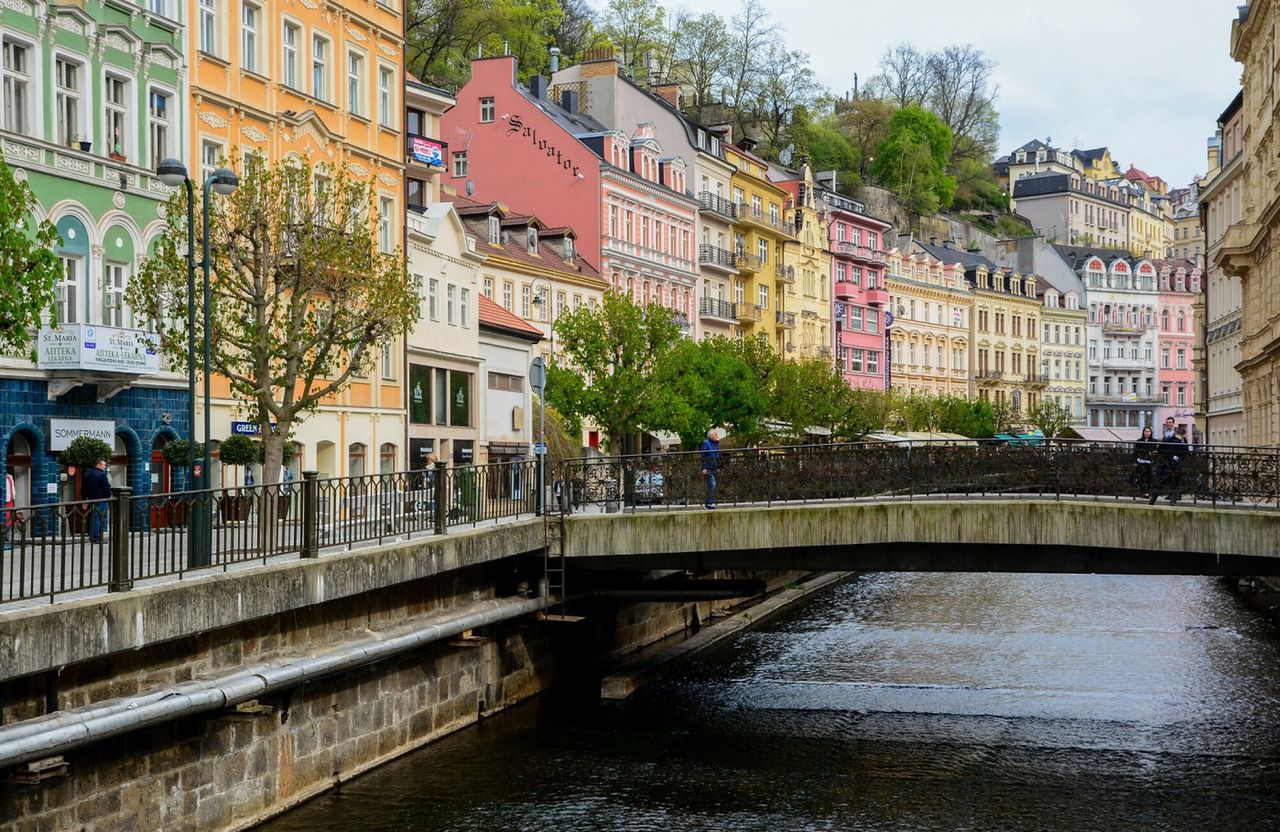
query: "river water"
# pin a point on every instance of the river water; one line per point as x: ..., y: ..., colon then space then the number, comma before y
x: 893, y: 702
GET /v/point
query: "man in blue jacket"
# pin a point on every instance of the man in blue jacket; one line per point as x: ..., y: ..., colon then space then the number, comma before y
x: 710, y: 461
x: 96, y: 487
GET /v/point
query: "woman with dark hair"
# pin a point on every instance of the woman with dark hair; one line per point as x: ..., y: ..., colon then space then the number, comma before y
x: 1143, y: 460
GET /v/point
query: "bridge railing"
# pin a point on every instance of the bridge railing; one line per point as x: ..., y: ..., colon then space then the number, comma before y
x: 939, y: 469
x: 53, y: 549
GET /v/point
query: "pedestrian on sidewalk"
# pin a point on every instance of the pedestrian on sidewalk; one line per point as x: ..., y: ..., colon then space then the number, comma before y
x: 96, y: 489
x: 710, y: 463
x: 1143, y: 461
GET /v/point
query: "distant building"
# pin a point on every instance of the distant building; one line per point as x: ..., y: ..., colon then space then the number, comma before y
x: 1074, y: 209
x: 806, y: 266
x: 928, y: 324
x: 507, y: 346
x: 860, y: 308
x: 1179, y: 285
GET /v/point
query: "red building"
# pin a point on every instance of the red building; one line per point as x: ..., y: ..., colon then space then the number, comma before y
x: 626, y: 200
x: 861, y: 302
x: 1179, y: 283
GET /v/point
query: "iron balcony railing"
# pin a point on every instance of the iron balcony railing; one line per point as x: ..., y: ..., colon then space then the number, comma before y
x: 748, y: 311
x: 786, y: 320
x: 717, y: 204
x: 784, y: 274
x: 867, y: 253
x: 716, y: 308
x: 988, y: 376
x: 716, y: 256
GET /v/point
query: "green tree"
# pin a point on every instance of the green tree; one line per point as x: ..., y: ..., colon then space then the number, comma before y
x: 85, y: 452
x: 865, y: 121
x: 1002, y: 416
x: 29, y: 269
x: 913, y: 160
x: 609, y: 375
x: 829, y: 148
x: 1050, y: 418
x: 634, y: 27
x: 302, y: 298
x: 716, y: 387
x: 865, y: 411
x: 807, y: 393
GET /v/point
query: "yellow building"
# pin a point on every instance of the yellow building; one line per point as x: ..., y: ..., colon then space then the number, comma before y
x: 806, y: 272
x: 1004, y: 353
x: 1248, y: 249
x: 322, y: 81
x: 1062, y: 348
x: 760, y: 234
x: 1096, y: 163
x: 931, y: 305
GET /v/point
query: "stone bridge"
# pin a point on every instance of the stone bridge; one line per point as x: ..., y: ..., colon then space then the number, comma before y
x: 1011, y: 534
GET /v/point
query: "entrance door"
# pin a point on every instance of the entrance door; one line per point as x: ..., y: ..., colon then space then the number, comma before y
x: 161, y: 480
x: 18, y: 465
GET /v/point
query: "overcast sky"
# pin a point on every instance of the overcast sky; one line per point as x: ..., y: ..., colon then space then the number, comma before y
x: 1146, y: 78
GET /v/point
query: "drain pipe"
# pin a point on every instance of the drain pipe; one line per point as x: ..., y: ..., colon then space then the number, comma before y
x: 60, y: 732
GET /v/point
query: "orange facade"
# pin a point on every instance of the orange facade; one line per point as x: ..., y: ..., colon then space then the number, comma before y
x: 324, y: 81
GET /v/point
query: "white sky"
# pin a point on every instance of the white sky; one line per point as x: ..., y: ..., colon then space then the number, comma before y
x: 1146, y: 78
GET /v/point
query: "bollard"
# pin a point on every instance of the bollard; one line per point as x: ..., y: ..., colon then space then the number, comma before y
x: 119, y: 519
x: 310, y: 514
x: 440, y: 495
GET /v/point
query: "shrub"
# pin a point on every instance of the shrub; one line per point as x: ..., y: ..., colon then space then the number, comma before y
x: 86, y: 452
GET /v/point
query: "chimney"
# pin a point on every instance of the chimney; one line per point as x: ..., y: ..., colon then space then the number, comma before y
x: 667, y: 92
x: 724, y: 131
x: 949, y: 244
x: 747, y: 143
x: 555, y: 59
x: 569, y: 100
x: 538, y: 87
x: 933, y: 241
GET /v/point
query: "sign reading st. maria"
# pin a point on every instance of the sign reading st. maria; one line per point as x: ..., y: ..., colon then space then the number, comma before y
x: 63, y: 431
x: 98, y: 348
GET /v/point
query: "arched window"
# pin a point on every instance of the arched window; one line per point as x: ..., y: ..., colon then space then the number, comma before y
x: 72, y: 289
x: 386, y: 458
x: 1182, y: 321
x: 1164, y: 319
x: 356, y: 453
x: 117, y: 268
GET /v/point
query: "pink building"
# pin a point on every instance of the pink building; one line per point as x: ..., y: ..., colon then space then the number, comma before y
x: 861, y: 301
x: 624, y: 197
x: 1179, y: 283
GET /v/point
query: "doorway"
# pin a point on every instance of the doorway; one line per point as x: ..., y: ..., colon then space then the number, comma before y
x: 162, y: 509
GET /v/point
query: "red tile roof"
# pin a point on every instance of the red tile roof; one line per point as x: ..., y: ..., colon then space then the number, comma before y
x: 516, y: 248
x: 493, y: 315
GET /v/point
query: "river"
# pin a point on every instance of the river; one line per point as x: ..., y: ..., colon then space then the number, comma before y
x: 892, y: 702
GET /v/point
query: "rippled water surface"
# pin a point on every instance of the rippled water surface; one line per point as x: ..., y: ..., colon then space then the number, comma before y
x: 894, y: 702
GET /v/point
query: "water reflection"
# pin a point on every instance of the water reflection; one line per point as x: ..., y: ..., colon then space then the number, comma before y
x: 896, y: 702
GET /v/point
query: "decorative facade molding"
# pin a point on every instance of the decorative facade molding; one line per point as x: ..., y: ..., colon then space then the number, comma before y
x: 71, y: 163
x: 213, y: 119
x: 388, y: 180
x: 253, y: 134
x: 20, y: 6
x: 69, y: 24
x: 356, y: 35
x: 14, y: 150
x: 359, y: 170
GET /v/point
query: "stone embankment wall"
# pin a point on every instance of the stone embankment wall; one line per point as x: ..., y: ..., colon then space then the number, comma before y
x: 232, y: 769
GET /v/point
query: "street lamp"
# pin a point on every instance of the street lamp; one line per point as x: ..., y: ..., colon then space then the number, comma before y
x: 539, y: 300
x: 173, y: 172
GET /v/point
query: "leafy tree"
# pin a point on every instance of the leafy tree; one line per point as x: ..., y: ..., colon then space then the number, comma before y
x: 865, y: 122
x: 1050, y: 418
x: 807, y: 393
x: 634, y: 27
x: 29, y: 269
x: 612, y: 356
x: 176, y: 452
x: 960, y: 93
x: 302, y: 298
x: 912, y: 160
x: 442, y: 36
x: 1002, y: 416
x: 717, y: 386
x: 85, y: 452
x: 829, y: 148
x: 974, y: 419
x: 702, y: 57
x: 865, y: 411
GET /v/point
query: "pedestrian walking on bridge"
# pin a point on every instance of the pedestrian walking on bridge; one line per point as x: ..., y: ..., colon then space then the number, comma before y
x: 710, y: 463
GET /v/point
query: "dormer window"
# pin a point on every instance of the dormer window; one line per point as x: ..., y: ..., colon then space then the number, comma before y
x: 495, y: 230
x: 533, y: 240
x: 568, y: 249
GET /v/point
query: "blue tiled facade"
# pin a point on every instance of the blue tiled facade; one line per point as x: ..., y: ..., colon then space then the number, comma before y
x: 139, y: 414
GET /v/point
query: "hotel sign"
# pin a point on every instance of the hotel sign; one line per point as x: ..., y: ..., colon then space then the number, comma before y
x: 103, y: 349
x: 517, y: 127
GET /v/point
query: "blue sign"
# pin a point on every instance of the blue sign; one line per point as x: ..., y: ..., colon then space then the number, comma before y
x: 248, y: 428
x: 427, y: 151
x: 539, y: 448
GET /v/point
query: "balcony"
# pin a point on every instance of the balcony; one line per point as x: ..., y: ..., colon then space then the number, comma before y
x: 717, y: 258
x: 708, y: 201
x: 716, y: 310
x: 1115, y: 327
x: 866, y: 254
x: 784, y: 274
x: 988, y: 376
x: 878, y: 298
x: 425, y: 153
x: 785, y: 320
x: 1124, y: 398
x: 748, y: 312
x: 748, y: 262
x: 1037, y: 380
x: 1128, y: 364
x: 748, y: 215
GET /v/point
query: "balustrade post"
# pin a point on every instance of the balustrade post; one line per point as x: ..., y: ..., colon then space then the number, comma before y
x: 440, y: 495
x: 120, y: 580
x: 310, y: 514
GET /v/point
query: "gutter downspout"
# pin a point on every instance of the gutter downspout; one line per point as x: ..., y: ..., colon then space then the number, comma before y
x: 63, y: 731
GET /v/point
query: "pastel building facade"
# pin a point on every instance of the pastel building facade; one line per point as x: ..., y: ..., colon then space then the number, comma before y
x: 929, y: 317
x: 806, y: 272
x: 323, y: 82
x: 860, y: 303
x: 760, y: 234
x: 93, y: 97
x: 1179, y: 283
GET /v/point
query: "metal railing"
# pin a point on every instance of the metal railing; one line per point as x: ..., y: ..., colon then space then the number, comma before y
x: 56, y: 548
x: 852, y: 471
x: 710, y: 202
x: 716, y: 256
x: 716, y: 308
x: 786, y: 320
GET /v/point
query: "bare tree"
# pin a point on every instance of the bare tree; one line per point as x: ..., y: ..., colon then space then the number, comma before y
x: 961, y: 94
x: 702, y: 56
x: 787, y: 83
x: 576, y: 31
x: 752, y: 31
x: 660, y: 62
x: 633, y: 27
x: 903, y: 78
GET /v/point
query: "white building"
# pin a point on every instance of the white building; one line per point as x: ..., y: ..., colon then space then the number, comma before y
x: 507, y: 346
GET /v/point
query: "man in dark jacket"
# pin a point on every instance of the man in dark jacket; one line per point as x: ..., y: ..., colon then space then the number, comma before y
x: 96, y: 487
x: 1170, y: 453
x: 710, y: 462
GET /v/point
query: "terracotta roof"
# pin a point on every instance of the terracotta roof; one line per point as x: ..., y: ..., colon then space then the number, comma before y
x: 494, y: 316
x: 516, y: 247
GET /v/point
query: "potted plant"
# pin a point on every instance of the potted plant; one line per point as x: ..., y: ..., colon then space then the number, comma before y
x: 176, y: 453
x: 117, y: 148
x: 86, y: 146
x: 81, y: 454
x: 238, y: 451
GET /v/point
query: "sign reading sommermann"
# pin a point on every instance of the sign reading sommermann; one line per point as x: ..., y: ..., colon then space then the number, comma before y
x: 98, y: 348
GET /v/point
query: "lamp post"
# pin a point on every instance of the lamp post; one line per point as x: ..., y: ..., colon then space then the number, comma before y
x: 223, y: 181
x: 539, y: 301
